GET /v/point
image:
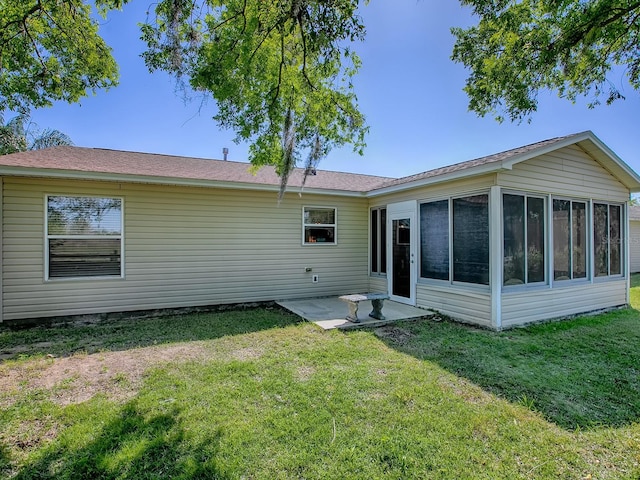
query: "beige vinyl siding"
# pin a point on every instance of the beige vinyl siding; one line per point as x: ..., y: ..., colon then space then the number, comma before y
x: 378, y: 284
x: 183, y: 247
x: 532, y: 305
x: 438, y: 190
x: 458, y: 302
x: 568, y: 171
x: 634, y: 245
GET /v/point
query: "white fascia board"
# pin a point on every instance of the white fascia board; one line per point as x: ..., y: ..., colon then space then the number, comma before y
x: 183, y: 182
x: 576, y: 140
x: 573, y: 139
x: 633, y: 177
x: 445, y: 177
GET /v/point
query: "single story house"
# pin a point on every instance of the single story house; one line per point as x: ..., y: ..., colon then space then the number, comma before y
x: 529, y: 234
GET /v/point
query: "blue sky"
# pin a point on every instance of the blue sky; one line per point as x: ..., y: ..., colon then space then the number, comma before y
x: 408, y: 88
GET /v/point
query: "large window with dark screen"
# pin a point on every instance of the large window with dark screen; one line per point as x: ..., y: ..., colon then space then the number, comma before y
x: 523, y: 239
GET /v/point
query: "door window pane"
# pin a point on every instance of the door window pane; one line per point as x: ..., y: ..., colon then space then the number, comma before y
x: 401, y: 258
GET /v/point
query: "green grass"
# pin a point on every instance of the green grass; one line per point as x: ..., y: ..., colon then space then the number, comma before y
x: 277, y: 399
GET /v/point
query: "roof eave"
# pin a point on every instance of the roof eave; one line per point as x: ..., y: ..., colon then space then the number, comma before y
x: 611, y: 162
x: 595, y: 148
x: 153, y: 180
x: 445, y: 177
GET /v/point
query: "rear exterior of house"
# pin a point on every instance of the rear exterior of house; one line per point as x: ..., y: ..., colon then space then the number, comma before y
x: 540, y: 238
x: 527, y: 235
x: 174, y: 247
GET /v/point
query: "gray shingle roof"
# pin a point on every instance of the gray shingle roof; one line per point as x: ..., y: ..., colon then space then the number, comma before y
x: 147, y: 167
x: 478, y: 162
x: 155, y: 166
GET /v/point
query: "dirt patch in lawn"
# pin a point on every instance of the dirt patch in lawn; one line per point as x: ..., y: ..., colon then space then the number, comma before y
x: 78, y: 378
x: 397, y: 335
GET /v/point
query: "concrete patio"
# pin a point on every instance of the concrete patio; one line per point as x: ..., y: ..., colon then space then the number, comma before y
x: 330, y: 312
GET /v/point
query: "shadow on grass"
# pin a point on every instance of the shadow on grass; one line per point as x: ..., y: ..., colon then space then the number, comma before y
x: 577, y: 373
x: 134, y: 445
x: 131, y: 333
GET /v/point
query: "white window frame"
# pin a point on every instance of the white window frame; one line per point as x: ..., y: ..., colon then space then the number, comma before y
x: 381, y: 240
x: 48, y: 237
x: 592, y: 250
x: 548, y: 255
x: 334, y: 225
x: 450, y: 280
x: 589, y: 241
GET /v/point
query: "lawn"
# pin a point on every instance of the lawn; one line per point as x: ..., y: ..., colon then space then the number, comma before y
x: 258, y: 395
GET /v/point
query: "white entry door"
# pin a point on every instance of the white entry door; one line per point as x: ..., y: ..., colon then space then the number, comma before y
x: 402, y: 252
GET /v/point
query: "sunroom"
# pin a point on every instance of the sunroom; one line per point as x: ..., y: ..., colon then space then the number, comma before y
x: 541, y: 236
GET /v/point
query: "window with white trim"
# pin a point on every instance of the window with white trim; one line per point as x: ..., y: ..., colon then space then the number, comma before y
x: 83, y: 237
x: 570, y: 246
x: 523, y: 239
x: 378, y: 241
x: 319, y: 225
x: 607, y: 235
x: 454, y: 239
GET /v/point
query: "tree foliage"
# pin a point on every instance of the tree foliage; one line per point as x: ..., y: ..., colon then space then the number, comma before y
x: 522, y: 47
x: 280, y: 71
x: 50, y: 50
x: 20, y: 134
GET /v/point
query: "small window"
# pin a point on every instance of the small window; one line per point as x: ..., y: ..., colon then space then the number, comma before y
x: 379, y: 241
x: 84, y: 237
x: 319, y: 225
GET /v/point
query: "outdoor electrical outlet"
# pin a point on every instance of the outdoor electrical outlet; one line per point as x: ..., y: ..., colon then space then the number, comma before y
x: 314, y: 279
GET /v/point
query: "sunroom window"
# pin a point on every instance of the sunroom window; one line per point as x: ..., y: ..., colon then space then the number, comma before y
x: 471, y: 239
x: 524, y: 252
x: 454, y: 239
x: 434, y: 235
x: 607, y: 233
x: 319, y: 225
x: 379, y: 241
x: 570, y: 249
x: 84, y: 237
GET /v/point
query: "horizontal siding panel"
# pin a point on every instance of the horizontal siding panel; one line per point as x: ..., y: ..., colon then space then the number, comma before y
x: 532, y: 306
x: 634, y: 245
x: 568, y: 171
x: 183, y: 247
x: 439, y: 190
x: 457, y: 303
x: 378, y: 284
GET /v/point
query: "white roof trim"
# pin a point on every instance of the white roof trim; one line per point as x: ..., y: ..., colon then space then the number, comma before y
x: 445, y: 177
x: 632, y: 181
